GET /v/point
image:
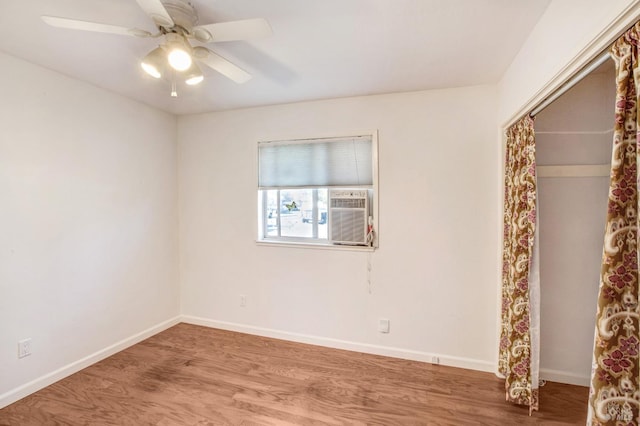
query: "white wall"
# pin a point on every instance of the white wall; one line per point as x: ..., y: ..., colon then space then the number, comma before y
x: 88, y: 217
x: 567, y: 30
x: 574, y: 130
x: 435, y: 272
x: 88, y: 224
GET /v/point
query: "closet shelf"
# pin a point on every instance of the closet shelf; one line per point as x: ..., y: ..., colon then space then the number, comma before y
x: 591, y: 170
x: 574, y: 132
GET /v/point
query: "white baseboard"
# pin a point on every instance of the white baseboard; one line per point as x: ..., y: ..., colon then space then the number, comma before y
x: 564, y: 377
x: 451, y: 361
x: 28, y: 388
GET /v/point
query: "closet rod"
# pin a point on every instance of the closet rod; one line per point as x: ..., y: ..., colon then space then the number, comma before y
x: 571, y: 82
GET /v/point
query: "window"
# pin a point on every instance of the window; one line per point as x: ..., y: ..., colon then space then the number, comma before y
x: 318, y: 191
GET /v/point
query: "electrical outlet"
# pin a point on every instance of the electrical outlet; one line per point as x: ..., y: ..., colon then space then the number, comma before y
x: 243, y: 300
x: 383, y: 325
x: 24, y: 348
x: 435, y: 360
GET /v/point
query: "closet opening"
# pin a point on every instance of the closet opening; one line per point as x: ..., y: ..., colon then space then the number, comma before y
x: 573, y: 154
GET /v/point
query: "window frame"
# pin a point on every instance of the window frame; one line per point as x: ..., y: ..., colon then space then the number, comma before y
x: 306, y: 242
x: 265, y: 217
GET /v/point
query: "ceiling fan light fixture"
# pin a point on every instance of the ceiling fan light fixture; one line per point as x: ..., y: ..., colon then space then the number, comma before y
x: 175, y: 58
x: 178, y: 52
x: 193, y: 75
x: 179, y: 59
x: 195, y: 80
x: 151, y: 70
x: 153, y: 64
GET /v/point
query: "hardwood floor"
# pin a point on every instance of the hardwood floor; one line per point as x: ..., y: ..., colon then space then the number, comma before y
x: 191, y: 375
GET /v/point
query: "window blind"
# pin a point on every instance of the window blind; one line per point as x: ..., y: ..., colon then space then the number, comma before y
x: 315, y: 162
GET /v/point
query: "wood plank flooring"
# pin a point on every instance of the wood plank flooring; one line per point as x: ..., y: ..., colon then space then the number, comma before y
x: 191, y: 375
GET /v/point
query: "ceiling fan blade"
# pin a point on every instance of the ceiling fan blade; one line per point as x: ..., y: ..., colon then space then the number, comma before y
x: 155, y: 9
x: 233, y: 30
x: 220, y: 64
x: 75, y: 24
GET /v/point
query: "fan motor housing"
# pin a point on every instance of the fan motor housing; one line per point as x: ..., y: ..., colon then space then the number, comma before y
x: 182, y: 12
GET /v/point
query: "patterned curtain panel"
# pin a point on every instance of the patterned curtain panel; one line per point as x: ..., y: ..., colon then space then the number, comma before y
x: 519, y: 339
x: 615, y: 395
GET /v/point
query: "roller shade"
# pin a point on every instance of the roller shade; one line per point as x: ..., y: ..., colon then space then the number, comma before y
x: 315, y: 162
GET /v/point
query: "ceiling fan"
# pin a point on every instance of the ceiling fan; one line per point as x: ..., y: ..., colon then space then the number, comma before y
x: 177, y: 21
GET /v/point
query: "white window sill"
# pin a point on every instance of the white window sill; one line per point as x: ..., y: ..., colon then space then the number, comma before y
x: 297, y: 244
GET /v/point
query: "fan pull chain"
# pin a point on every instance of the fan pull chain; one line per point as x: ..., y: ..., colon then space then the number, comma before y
x: 174, y: 92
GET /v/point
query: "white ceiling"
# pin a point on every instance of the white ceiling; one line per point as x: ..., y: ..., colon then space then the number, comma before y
x: 320, y: 48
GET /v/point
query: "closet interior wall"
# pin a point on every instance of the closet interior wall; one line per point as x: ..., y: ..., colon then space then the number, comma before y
x: 576, y: 130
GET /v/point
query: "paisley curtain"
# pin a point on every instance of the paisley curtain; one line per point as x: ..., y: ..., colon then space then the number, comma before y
x: 614, y: 397
x: 520, y: 313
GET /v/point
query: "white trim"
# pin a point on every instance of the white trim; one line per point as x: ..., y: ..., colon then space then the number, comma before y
x: 320, y: 246
x: 318, y: 135
x: 43, y: 381
x: 577, y: 78
x: 591, y: 170
x: 564, y: 377
x: 451, y: 361
x: 376, y: 189
x: 593, y: 49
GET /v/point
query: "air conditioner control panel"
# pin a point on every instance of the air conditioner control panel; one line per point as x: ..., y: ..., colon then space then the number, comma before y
x: 348, y: 193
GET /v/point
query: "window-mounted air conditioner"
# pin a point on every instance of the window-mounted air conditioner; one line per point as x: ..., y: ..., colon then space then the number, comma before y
x: 348, y: 212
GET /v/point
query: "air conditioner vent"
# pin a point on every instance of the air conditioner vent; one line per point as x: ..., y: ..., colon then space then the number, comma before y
x: 349, y: 203
x: 348, y: 214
